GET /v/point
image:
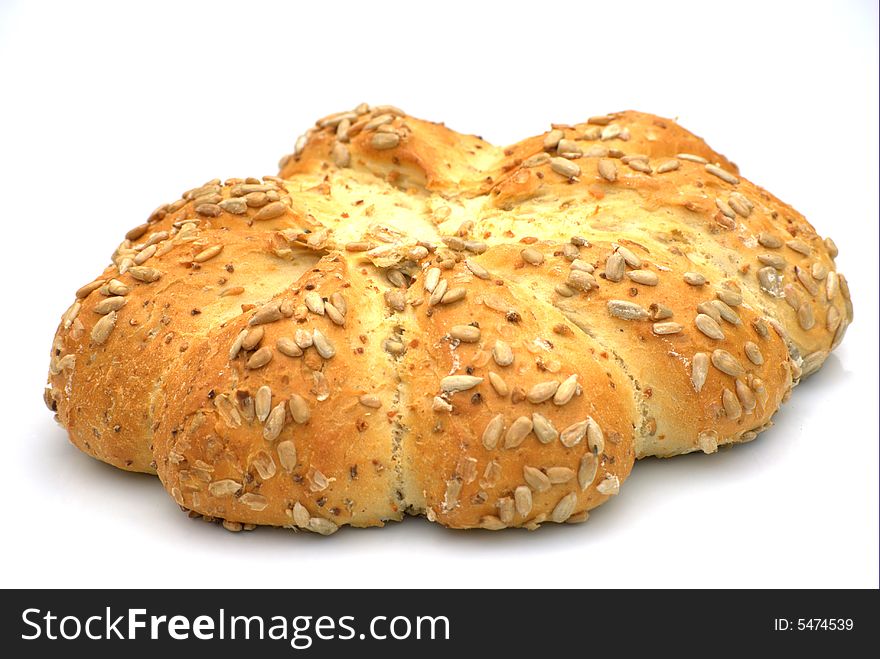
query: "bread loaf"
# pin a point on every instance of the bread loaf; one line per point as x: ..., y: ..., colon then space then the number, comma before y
x: 407, y: 320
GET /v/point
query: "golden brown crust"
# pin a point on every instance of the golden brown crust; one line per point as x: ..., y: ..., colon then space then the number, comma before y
x: 317, y: 349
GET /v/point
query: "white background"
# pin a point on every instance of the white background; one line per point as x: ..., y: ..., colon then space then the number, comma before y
x: 108, y: 110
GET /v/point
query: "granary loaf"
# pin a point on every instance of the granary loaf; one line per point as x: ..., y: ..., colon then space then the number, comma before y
x: 407, y: 320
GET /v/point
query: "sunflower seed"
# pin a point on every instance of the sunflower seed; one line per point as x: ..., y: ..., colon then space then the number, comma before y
x: 502, y: 353
x: 639, y: 166
x: 660, y: 312
x: 543, y: 428
x: 71, y: 314
x: 270, y: 211
x: 626, y: 310
x: 831, y: 247
x: 454, y: 383
x: 322, y: 344
x: 569, y: 149
x: 726, y: 312
x: 564, y: 290
x: 818, y: 271
x: 522, y: 497
x: 740, y: 204
x: 792, y: 297
x: 806, y: 280
x: 493, y: 431
x: 610, y: 485
x: 114, y: 287
x: 832, y: 319
x: 832, y: 285
x: 491, y: 523
x: 566, y: 390
x: 694, y: 278
x: 532, y: 256
x: 542, y: 391
x: 720, y: 173
x: 146, y: 254
x: 587, y: 470
x: 799, y: 246
x: 299, y: 409
x: 726, y: 210
x: 610, y: 132
x: 573, y: 435
x: 109, y: 304
x: 381, y: 120
x: 731, y: 404
x: 813, y: 362
x: 536, y: 160
x: 370, y: 400
x: 607, y: 169
x: 692, y: 158
x: 263, y: 403
x: 465, y: 333
x: 506, y: 510
x: 709, y: 326
x: 322, y: 526
x: 300, y: 515
x: 644, y: 277
x: 333, y: 313
x: 551, y: 139
x: 477, y: 269
x: 699, y: 370
x: 384, y: 141
x: 805, y: 316
x: 252, y: 338
x: 208, y: 210
x: 253, y: 501
x: 565, y: 167
x: 536, y: 479
x: 770, y: 282
x: 517, y: 432
x: 268, y: 313
x: 769, y: 240
x: 432, y: 278
x: 145, y: 274
x: 564, y: 508
x: 303, y: 339
x: 773, y: 260
x: 314, y: 302
x: 137, y: 232
x: 727, y: 363
x: 729, y: 297
x: 340, y: 155
x: 264, y: 464
x: 287, y: 346
x: 668, y: 166
x: 358, y: 246
x: 746, y: 397
x: 667, y: 328
x: 498, y: 384
x: 274, y: 423
x: 260, y: 358
x: 452, y: 295
x: 570, y: 252
x: 224, y: 488
x: 234, y: 206
x: 580, y: 280
x: 102, y: 329
x: 710, y: 310
x: 629, y: 257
